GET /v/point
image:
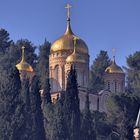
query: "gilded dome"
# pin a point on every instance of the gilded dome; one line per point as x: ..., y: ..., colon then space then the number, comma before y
x: 114, y: 68
x: 23, y: 65
x: 75, y: 58
x: 65, y: 42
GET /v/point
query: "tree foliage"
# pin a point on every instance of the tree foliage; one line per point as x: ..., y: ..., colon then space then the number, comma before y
x: 98, y: 67
x: 133, y: 73
x: 4, y: 41
x: 122, y: 112
x: 11, y: 110
x: 87, y: 123
x: 71, y: 107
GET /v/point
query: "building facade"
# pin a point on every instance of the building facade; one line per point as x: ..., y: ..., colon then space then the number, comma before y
x: 69, y: 50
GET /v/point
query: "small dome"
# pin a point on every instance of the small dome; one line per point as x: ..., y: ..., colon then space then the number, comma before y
x: 75, y: 58
x: 114, y: 68
x: 23, y: 65
x: 65, y: 42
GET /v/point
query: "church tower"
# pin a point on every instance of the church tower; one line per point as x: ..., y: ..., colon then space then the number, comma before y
x: 25, y: 69
x: 114, y: 77
x: 68, y: 50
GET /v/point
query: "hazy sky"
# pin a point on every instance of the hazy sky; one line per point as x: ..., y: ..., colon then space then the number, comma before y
x: 102, y: 24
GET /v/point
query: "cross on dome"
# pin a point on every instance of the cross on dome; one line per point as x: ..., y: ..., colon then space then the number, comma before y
x: 68, y: 6
x: 23, y: 53
x: 113, y: 52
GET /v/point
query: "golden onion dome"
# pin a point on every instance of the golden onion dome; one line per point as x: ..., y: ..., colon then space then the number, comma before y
x: 75, y: 57
x: 65, y: 42
x: 114, y: 68
x: 23, y: 65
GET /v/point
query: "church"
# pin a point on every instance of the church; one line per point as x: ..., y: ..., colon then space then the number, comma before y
x: 70, y: 49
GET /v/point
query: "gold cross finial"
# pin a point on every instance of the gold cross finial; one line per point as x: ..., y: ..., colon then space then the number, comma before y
x: 23, y: 53
x: 68, y: 6
x: 113, y: 52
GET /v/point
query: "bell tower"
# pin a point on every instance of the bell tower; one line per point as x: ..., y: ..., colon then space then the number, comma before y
x: 114, y: 77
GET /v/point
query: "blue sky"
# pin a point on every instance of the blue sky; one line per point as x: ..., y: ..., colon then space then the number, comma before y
x: 102, y: 24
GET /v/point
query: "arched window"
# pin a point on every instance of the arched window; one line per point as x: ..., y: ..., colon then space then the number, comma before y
x: 63, y: 77
x: 56, y: 78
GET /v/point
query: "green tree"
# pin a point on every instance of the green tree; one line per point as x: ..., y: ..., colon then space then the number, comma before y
x: 102, y: 125
x: 27, y: 127
x: 11, y: 110
x: 133, y: 73
x: 43, y: 62
x: 14, y: 53
x: 122, y: 112
x: 48, y: 112
x: 71, y: 107
x: 46, y: 96
x: 58, y: 122
x: 38, y: 132
x: 98, y: 67
x: 4, y: 41
x: 87, y: 125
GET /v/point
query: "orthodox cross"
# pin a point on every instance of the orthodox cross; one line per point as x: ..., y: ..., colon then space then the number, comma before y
x: 68, y: 6
x: 113, y: 52
x: 23, y: 53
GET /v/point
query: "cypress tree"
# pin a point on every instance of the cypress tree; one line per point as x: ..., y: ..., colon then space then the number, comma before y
x: 38, y: 132
x: 25, y: 93
x: 87, y: 125
x: 4, y: 41
x: 43, y: 64
x: 71, y: 107
x: 58, y: 125
x: 46, y: 97
x: 11, y: 110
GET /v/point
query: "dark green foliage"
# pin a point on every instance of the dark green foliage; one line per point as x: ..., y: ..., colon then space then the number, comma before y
x: 97, y: 70
x: 27, y: 128
x: 4, y: 41
x: 123, y: 109
x: 13, y: 54
x: 58, y: 122
x: 43, y: 71
x: 133, y: 73
x: 102, y: 126
x: 133, y: 61
x: 38, y: 132
x: 71, y: 107
x: 11, y: 110
x: 43, y: 63
x: 87, y: 124
x: 46, y: 92
x: 48, y: 112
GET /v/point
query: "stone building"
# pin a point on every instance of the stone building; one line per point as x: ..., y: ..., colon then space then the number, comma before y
x: 114, y: 78
x: 69, y: 50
